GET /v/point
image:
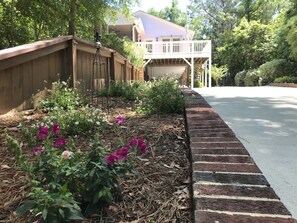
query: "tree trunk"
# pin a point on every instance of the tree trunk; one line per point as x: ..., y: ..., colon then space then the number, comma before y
x: 72, y: 17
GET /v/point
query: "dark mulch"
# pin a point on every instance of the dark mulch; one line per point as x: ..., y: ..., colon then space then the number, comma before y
x: 158, y: 192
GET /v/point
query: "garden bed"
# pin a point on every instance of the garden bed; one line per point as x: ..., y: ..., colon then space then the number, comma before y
x: 157, y: 192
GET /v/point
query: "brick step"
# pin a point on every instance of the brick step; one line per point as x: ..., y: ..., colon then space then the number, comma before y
x: 223, y: 159
x: 220, y: 151
x: 231, y: 179
x: 211, y: 134
x: 210, y: 217
x: 242, y: 206
x: 234, y: 191
x: 215, y: 145
x: 209, y: 130
x: 214, y: 139
x: 226, y: 167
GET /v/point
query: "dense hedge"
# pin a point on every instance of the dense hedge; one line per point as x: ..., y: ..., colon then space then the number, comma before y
x: 252, y: 78
x: 269, y: 71
x: 239, y: 78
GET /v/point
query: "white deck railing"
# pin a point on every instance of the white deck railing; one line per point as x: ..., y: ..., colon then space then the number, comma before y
x: 177, y: 49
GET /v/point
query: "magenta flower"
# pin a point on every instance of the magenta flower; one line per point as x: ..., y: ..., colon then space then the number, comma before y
x: 37, y: 151
x: 133, y: 142
x: 112, y: 158
x: 120, y: 120
x: 122, y: 153
x: 37, y: 221
x: 43, y: 131
x: 142, y: 147
x: 56, y: 129
x: 60, y: 142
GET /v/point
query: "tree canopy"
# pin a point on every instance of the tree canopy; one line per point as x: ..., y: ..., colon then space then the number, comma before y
x: 23, y: 21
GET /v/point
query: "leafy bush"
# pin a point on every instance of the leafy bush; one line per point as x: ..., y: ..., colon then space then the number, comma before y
x: 286, y: 79
x: 68, y: 184
x: 62, y: 97
x: 129, y: 91
x: 76, y: 122
x: 239, y: 78
x: 164, y: 97
x: 198, y: 84
x: 276, y: 68
x: 252, y: 78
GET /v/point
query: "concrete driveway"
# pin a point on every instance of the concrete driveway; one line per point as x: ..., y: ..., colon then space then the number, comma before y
x: 265, y: 121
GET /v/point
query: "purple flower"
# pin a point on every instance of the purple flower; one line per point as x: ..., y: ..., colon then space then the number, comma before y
x: 43, y: 131
x: 133, y: 142
x: 142, y: 147
x: 120, y: 120
x: 37, y: 151
x: 122, y: 153
x: 56, y: 129
x: 112, y: 158
x: 60, y: 142
x: 37, y: 221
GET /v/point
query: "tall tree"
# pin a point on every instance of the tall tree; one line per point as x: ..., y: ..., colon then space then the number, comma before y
x: 172, y: 14
x: 23, y: 21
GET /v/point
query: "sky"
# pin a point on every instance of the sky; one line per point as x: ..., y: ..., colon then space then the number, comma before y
x: 159, y: 4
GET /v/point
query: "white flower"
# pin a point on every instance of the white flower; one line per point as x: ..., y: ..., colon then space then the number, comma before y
x: 67, y: 154
x: 76, y: 123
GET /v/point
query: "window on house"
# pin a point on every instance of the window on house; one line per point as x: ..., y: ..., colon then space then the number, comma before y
x: 166, y: 45
x: 149, y: 46
x: 176, y: 46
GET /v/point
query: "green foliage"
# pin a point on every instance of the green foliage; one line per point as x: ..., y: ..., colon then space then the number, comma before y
x: 134, y: 53
x: 125, y: 47
x: 61, y: 97
x: 252, y: 78
x: 276, y: 68
x: 67, y: 182
x: 130, y: 91
x: 77, y: 121
x: 53, y: 204
x: 286, y: 79
x: 198, y: 84
x: 24, y: 21
x: 292, y: 36
x: 247, y: 48
x: 65, y: 106
x: 218, y: 73
x: 172, y: 14
x: 164, y: 97
x: 239, y: 78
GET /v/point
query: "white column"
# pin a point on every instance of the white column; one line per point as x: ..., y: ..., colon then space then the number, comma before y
x: 192, y: 72
x: 209, y: 72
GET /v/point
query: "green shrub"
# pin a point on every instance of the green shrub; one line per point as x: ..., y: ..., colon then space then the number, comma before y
x: 62, y: 97
x: 198, y: 84
x: 77, y: 121
x: 164, y: 97
x: 286, y: 79
x: 251, y: 78
x: 239, y: 78
x: 276, y: 68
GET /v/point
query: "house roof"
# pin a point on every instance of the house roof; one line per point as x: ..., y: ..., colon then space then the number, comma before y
x: 139, y: 14
x: 122, y: 20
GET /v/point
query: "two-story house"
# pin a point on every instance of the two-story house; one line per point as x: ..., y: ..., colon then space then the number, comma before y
x: 170, y: 48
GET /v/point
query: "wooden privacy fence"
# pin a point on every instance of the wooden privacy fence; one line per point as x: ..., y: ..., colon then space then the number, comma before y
x: 25, y: 71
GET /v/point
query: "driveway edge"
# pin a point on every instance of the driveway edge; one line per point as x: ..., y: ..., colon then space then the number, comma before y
x: 227, y: 184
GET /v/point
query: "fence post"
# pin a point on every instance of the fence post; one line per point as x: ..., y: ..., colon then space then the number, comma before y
x: 125, y: 70
x: 112, y: 66
x: 72, y: 62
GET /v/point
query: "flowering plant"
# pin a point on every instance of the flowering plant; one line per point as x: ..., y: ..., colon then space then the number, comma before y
x: 67, y: 182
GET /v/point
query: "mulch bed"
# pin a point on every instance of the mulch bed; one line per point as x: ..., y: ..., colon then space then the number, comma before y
x: 158, y: 192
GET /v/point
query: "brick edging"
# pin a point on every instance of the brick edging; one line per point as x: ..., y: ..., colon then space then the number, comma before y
x: 228, y: 186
